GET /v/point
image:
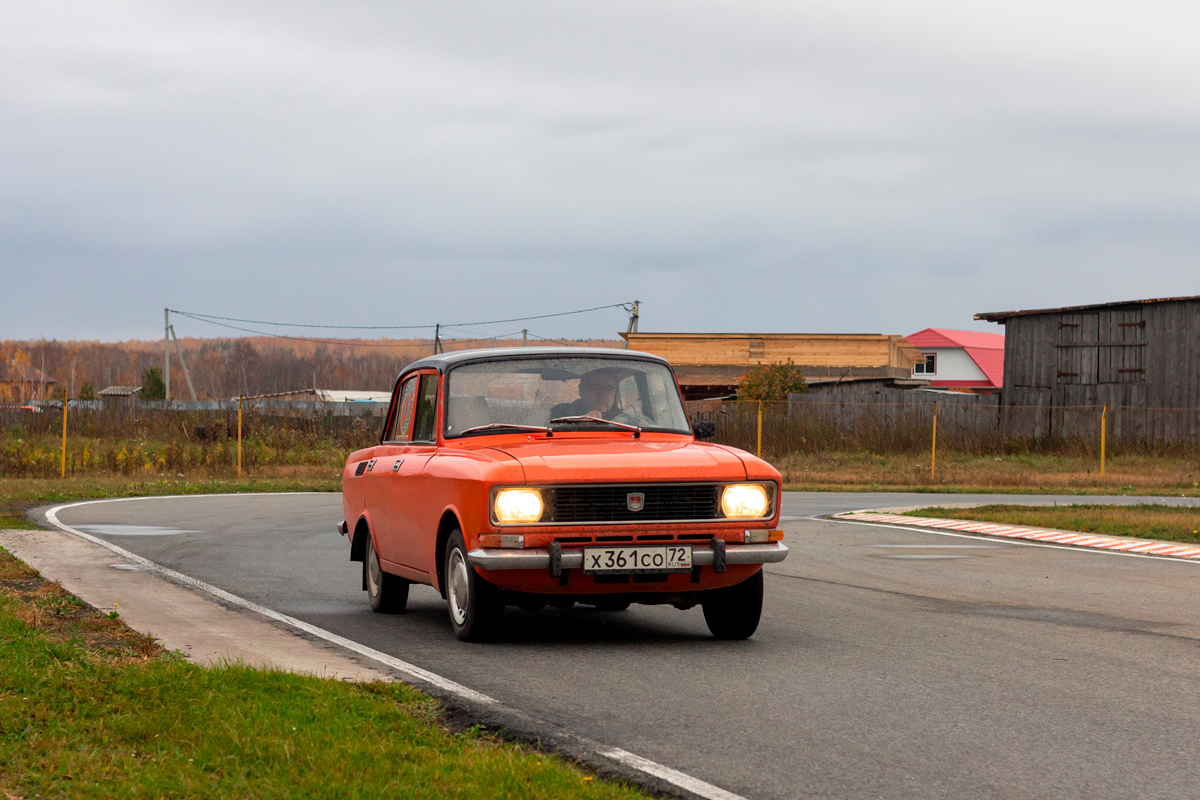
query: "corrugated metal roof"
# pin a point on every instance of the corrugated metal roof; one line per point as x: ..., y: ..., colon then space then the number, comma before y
x: 990, y: 362
x: 119, y: 391
x: 999, y: 316
x: 945, y: 337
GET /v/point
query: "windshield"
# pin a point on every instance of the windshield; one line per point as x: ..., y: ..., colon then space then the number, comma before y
x: 536, y: 391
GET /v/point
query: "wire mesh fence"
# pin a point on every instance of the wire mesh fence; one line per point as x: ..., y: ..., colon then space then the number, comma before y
x: 805, y: 426
x: 812, y: 439
x: 130, y: 441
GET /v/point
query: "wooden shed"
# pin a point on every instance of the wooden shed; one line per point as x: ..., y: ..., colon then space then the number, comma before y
x: 711, y: 364
x: 1137, y: 354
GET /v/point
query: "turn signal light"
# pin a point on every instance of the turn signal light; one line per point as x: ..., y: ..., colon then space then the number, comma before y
x: 760, y: 536
x: 506, y: 540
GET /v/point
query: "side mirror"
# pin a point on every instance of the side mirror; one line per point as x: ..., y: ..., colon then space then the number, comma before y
x: 704, y: 429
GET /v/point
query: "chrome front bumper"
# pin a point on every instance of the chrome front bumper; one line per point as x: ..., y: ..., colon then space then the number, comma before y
x: 493, y: 558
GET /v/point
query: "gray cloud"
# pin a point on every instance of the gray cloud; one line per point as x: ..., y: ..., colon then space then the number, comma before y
x: 830, y: 166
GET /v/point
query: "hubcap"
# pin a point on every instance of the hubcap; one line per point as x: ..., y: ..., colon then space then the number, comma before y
x: 459, y: 587
x: 374, y: 572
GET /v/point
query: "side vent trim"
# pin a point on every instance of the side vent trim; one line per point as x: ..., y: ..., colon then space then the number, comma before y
x: 360, y: 469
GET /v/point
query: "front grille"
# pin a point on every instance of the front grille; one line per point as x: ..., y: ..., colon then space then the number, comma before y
x: 663, y: 502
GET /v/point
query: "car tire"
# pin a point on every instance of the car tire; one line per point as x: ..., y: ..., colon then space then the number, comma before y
x: 476, y: 606
x: 387, y: 594
x: 734, y: 612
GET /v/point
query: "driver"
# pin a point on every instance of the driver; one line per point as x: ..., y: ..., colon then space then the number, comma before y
x: 597, y: 397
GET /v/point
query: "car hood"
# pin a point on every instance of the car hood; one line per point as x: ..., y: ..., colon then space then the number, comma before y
x: 624, y: 461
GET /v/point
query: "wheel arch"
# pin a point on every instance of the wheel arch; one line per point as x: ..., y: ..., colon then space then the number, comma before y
x: 449, y: 522
x: 358, y: 541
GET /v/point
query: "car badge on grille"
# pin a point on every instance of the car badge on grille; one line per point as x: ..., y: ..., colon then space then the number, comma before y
x: 635, y: 500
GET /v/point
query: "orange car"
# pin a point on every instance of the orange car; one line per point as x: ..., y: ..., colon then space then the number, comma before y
x: 552, y: 476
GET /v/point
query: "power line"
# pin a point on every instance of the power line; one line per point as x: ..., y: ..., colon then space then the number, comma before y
x: 210, y: 317
x: 556, y: 341
x: 337, y: 341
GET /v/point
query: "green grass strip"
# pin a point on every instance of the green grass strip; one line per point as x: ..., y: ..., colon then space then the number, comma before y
x: 1141, y: 521
x: 82, y: 719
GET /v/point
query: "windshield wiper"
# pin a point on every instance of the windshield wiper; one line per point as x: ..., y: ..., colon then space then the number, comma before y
x: 512, y: 426
x: 583, y: 418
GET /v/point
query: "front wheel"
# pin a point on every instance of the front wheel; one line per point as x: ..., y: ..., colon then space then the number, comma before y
x: 733, y: 612
x: 476, y: 607
x: 387, y: 594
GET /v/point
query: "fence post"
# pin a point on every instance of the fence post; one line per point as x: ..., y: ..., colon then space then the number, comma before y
x: 760, y: 428
x: 64, y: 447
x: 1103, y: 429
x: 933, y: 446
x: 239, y: 437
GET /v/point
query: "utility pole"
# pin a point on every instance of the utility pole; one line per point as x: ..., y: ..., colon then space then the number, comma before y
x: 524, y: 337
x: 633, y: 322
x: 437, y: 338
x: 167, y: 355
x: 182, y: 363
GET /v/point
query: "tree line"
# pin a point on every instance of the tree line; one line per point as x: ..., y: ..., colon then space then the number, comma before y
x: 225, y: 368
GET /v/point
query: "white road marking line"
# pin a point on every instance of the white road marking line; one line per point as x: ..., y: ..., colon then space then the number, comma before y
x: 644, y: 765
x: 680, y: 779
x: 412, y: 670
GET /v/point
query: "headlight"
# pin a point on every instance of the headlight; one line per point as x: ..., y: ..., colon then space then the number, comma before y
x: 744, y: 500
x: 518, y: 505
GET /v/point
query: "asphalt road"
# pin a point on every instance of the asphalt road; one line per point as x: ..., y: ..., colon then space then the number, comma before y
x: 889, y: 663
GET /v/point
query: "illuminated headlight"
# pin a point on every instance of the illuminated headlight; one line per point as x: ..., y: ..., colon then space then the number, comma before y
x: 744, y: 500
x: 518, y: 505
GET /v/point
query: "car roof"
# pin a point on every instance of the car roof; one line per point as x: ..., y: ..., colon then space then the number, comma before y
x: 444, y: 361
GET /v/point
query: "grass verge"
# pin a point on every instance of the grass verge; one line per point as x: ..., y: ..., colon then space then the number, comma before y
x: 960, y: 472
x: 1142, y: 521
x: 89, y: 708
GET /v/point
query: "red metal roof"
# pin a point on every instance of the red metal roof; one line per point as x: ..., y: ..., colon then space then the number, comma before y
x: 985, y: 349
x: 944, y: 337
x: 990, y: 361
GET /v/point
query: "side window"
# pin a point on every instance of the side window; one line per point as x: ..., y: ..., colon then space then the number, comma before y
x: 401, y: 429
x: 426, y: 410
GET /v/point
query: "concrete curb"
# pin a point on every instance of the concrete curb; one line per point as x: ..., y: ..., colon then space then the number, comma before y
x: 1149, y: 547
x: 179, y: 617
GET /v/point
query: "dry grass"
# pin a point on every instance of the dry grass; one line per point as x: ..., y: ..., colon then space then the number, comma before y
x: 63, y: 618
x: 1019, y: 473
x: 1143, y: 521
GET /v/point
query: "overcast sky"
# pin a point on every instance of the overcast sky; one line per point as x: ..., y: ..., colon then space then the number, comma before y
x: 741, y: 166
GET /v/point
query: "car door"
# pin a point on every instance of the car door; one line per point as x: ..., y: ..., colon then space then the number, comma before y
x: 382, y: 468
x: 406, y: 491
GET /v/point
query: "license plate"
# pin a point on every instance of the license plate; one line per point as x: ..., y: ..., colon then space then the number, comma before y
x: 629, y: 560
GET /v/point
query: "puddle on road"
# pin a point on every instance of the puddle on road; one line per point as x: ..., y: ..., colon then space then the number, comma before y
x: 943, y: 546
x: 925, y: 556
x: 131, y: 530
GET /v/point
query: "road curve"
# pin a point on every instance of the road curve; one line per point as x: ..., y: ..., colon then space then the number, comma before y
x: 890, y: 663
